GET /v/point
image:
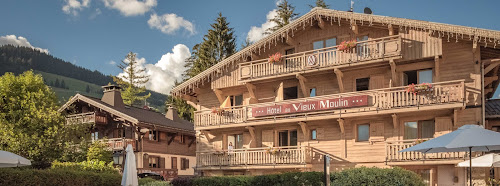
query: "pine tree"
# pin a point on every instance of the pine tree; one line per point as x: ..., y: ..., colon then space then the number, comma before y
x: 246, y: 44
x: 218, y: 44
x: 63, y: 84
x: 57, y: 84
x: 321, y: 4
x: 87, y: 89
x: 133, y: 81
x: 285, y: 15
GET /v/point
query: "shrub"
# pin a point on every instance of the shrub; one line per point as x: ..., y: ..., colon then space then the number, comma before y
x: 152, y: 182
x: 92, y: 166
x: 99, y: 151
x: 15, y: 176
x: 290, y: 179
x: 182, y: 181
x: 222, y: 181
x: 376, y: 176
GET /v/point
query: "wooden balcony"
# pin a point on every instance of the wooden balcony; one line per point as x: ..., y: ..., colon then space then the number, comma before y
x: 89, y: 117
x: 168, y: 174
x: 119, y: 143
x: 284, y: 157
x: 376, y: 50
x: 394, y: 157
x: 442, y: 95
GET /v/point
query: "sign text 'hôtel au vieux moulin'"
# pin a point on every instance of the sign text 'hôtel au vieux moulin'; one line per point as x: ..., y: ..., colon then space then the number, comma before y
x: 308, y: 106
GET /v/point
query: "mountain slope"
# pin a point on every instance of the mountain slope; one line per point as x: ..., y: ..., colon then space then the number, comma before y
x: 55, y: 70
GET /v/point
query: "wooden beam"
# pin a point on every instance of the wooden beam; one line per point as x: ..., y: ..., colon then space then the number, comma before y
x: 251, y: 91
x: 436, y: 68
x: 394, y: 77
x: 253, y: 141
x: 279, y: 93
x: 207, y: 135
x: 303, y: 86
x: 192, y: 142
x: 341, y: 124
x: 391, y: 29
x: 489, y: 80
x: 488, y: 90
x: 290, y: 41
x: 339, y: 79
x: 321, y: 23
x: 305, y: 129
x: 491, y: 67
x: 172, y: 135
x: 218, y: 93
x: 455, y: 117
x: 395, y: 120
x: 488, y: 61
x: 355, y: 29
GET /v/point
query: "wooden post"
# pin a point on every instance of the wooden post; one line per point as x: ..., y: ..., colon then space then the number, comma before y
x: 339, y: 79
x: 436, y: 68
x: 327, y: 169
x: 303, y: 86
x: 393, y: 73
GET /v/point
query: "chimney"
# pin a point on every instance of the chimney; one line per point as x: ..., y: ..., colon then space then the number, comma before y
x: 172, y: 113
x: 112, y: 95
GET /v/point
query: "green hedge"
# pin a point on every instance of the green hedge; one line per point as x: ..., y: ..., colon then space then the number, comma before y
x: 15, y: 176
x: 92, y: 166
x: 356, y: 177
x: 152, y: 182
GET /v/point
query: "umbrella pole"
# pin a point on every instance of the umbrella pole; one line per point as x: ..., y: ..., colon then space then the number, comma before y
x: 470, y: 165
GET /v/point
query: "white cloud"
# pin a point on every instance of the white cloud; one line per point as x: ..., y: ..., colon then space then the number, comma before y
x: 19, y: 41
x: 96, y: 13
x: 166, y: 71
x: 131, y: 7
x: 112, y: 62
x: 74, y: 6
x: 169, y: 23
x: 257, y: 33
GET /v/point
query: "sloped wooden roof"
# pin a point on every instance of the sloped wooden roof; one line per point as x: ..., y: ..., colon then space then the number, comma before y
x: 488, y: 38
x: 134, y: 115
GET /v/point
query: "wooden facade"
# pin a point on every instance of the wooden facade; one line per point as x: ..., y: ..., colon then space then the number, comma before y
x: 259, y: 117
x: 163, y: 144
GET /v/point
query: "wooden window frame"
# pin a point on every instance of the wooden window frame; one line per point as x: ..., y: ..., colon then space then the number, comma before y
x: 357, y: 133
x: 156, y: 135
x: 315, y: 130
x: 324, y: 42
x: 288, y: 131
x: 297, y: 89
x: 356, y: 84
x: 232, y: 99
x: 315, y: 91
x: 184, y: 163
x: 157, y: 158
x: 418, y: 75
x: 173, y: 163
x: 419, y: 128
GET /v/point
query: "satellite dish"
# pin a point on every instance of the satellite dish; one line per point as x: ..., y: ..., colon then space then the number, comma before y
x: 368, y: 10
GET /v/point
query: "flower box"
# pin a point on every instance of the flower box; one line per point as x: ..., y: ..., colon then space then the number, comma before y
x: 275, y: 58
x: 346, y: 46
x: 273, y: 151
x: 419, y: 88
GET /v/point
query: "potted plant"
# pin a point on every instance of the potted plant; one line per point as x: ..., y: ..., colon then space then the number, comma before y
x: 273, y: 151
x: 346, y: 46
x: 419, y: 88
x: 217, y: 110
x: 275, y: 58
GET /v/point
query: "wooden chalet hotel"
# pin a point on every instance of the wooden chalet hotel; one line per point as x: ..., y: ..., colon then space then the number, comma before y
x: 357, y: 87
x: 163, y: 144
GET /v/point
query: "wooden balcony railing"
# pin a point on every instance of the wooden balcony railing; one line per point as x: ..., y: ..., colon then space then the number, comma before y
x: 364, y: 51
x: 441, y: 93
x: 119, y: 143
x: 89, y: 117
x: 393, y: 154
x: 293, y: 155
x: 168, y: 174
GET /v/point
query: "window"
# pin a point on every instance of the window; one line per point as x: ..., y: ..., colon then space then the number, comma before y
x: 363, y: 132
x: 154, y: 162
x: 417, y: 76
x: 236, y: 100
x: 290, y: 93
x: 174, y: 163
x: 179, y: 138
x: 362, y: 48
x: 238, y: 141
x: 314, y: 134
x: 94, y: 136
x: 312, y: 92
x: 153, y: 135
x: 290, y: 51
x: 362, y: 84
x: 119, y: 133
x: 288, y: 138
x: 184, y: 163
x: 324, y: 43
x: 419, y: 129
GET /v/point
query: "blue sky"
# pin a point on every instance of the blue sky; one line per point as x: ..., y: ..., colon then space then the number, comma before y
x: 93, y: 33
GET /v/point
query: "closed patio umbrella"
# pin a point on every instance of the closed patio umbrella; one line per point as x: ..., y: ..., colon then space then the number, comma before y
x: 9, y: 159
x: 129, y: 177
x: 468, y: 138
x: 488, y: 160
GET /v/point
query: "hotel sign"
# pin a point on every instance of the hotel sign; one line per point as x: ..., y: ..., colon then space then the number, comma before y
x: 309, y: 106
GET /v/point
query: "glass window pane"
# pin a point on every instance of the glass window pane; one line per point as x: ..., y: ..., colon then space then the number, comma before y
x: 362, y: 38
x: 425, y: 76
x: 331, y: 42
x: 313, y: 134
x: 312, y: 92
x: 317, y: 45
x: 293, y: 138
x: 239, y: 141
x: 283, y: 138
x: 238, y: 100
x: 427, y: 129
x: 411, y: 130
x: 363, y: 132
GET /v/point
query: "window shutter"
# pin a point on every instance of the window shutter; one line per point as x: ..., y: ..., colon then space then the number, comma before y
x: 377, y: 131
x: 377, y: 81
x: 174, y: 162
x: 145, y: 161
x: 267, y: 138
x: 161, y: 163
x: 443, y: 125
x: 187, y: 163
